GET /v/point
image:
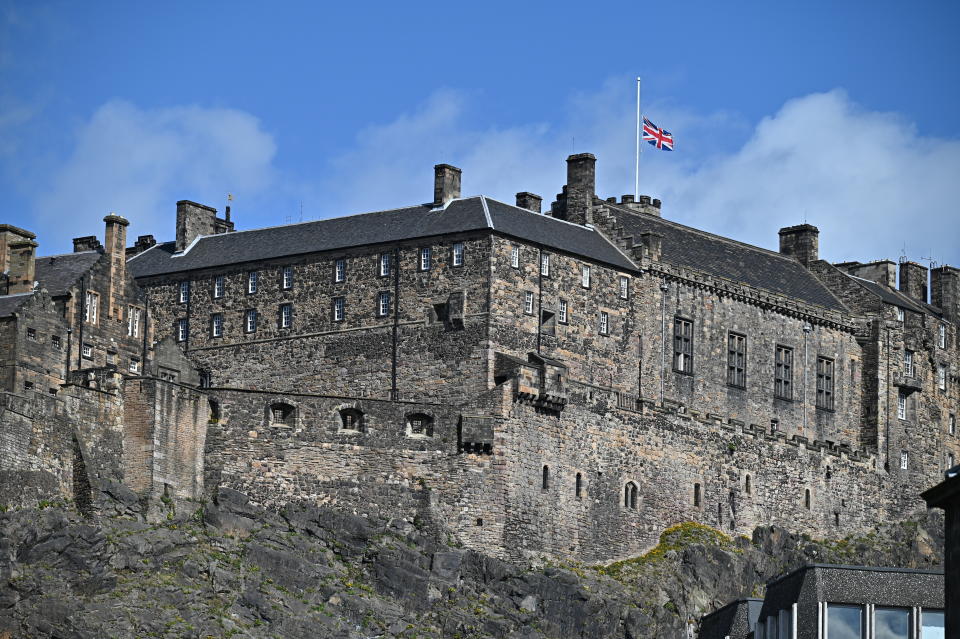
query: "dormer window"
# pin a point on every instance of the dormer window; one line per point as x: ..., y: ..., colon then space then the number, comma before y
x: 419, y: 425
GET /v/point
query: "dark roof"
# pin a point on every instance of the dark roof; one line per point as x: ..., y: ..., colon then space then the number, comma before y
x: 470, y: 214
x: 891, y: 296
x: 10, y: 303
x: 729, y: 259
x: 57, y: 273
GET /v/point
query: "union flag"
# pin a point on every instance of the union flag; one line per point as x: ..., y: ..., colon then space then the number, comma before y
x: 656, y: 136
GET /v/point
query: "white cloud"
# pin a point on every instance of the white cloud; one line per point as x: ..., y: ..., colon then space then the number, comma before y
x: 138, y: 162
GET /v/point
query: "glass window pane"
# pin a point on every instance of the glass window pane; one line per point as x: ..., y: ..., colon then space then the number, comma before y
x: 892, y: 623
x: 844, y: 622
x: 933, y: 625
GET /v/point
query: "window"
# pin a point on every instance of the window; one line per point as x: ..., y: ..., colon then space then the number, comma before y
x: 624, y: 287
x: 184, y: 292
x: 250, y: 321
x: 904, y: 460
x: 783, y: 373
x: 604, y: 328
x: 891, y: 623
x: 286, y: 315
x: 737, y: 360
x: 91, y: 308
x: 562, y: 312
x: 183, y: 330
x: 282, y: 414
x: 825, y: 383
x: 351, y: 419
x: 206, y: 381
x: 218, y: 286
x: 942, y: 377
x: 844, y: 622
x: 216, y: 325
x: 287, y: 278
x: 951, y: 424
x: 515, y: 256
x: 950, y: 461
x: 546, y: 478
x: 697, y: 499
x: 383, y: 304
x: 134, y: 365
x: 578, y: 486
x: 932, y: 624
x: 900, y: 314
x: 630, y: 492
x: 682, y: 346
x: 747, y: 486
x: 133, y: 321
x: 942, y: 336
x: 32, y: 334
x: 338, y: 308
x: 425, y: 258
x: 528, y: 303
x: 806, y: 499
x: 58, y: 344
x: 901, y: 405
x: 908, y: 363
x: 339, y: 270
x: 458, y: 253
x: 252, y: 278
x: 384, y: 265
x: 585, y: 276
x: 545, y: 264
x: 87, y: 351
x: 420, y: 425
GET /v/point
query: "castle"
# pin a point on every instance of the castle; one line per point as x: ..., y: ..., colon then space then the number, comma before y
x: 567, y: 382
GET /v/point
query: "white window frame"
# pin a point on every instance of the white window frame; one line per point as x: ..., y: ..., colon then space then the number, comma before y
x: 250, y: 321
x: 218, y: 286
x: 339, y: 309
x: 942, y: 377
x: 604, y: 328
x: 384, y: 265
x: 253, y: 278
x: 545, y: 264
x: 383, y: 303
x: 286, y: 315
x: 183, y: 329
x: 184, y: 291
x: 900, y: 314
x: 907, y: 363
x: 216, y: 325
x: 528, y: 302
x: 340, y: 270
x: 901, y: 406
x: 425, y: 258
x: 134, y: 366
x: 515, y: 256
x: 86, y: 351
x: 904, y: 460
x: 287, y: 278
x: 942, y: 335
x: 91, y: 309
x: 562, y: 312
x: 133, y: 321
x: 585, y: 276
x: 458, y: 253
x: 624, y: 287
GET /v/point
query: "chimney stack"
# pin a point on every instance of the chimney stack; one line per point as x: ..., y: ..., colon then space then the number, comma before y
x: 116, y: 241
x: 652, y: 245
x: 801, y: 242
x: 913, y: 280
x: 193, y: 220
x: 10, y: 234
x: 22, y: 270
x: 446, y: 184
x: 86, y: 243
x: 882, y: 272
x: 529, y: 201
x: 945, y: 291
x: 581, y: 187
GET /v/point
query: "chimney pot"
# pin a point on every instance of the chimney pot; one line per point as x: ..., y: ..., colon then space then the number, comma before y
x: 446, y: 184
x: 529, y: 201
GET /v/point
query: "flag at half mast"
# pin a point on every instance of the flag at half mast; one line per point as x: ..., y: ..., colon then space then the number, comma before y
x: 660, y: 138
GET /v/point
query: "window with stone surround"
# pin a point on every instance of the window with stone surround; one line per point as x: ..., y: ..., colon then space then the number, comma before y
x: 900, y: 314
x: 339, y: 270
x: 783, y: 373
x: 604, y: 327
x: 806, y: 499
x: 219, y: 286
x: 91, y: 307
x: 338, y: 309
x: 942, y: 336
x: 458, y: 253
x: 286, y: 279
x: 942, y: 377
x: 425, y: 258
x: 384, y: 265
x: 351, y: 419
x: 183, y: 330
x: 952, y: 424
x: 683, y: 345
x: 528, y: 303
x: 250, y: 321
x: 383, y: 303
x: 562, y: 312
x: 515, y: 256
x: 253, y: 278
x: 282, y: 414
x: 585, y: 276
x: 184, y: 291
x: 901, y: 405
x: 286, y: 315
x: 216, y: 325
x: 908, y: 363
x: 545, y: 264
x: 545, y: 484
x: 56, y: 342
x: 624, y: 287
x: 419, y: 425
x: 87, y: 351
x: 134, y: 365
x: 697, y: 496
x: 32, y: 334
x: 747, y: 485
x: 737, y: 360
x: 904, y: 460
x: 630, y: 495
x: 951, y: 462
x: 133, y: 321
x: 825, y: 383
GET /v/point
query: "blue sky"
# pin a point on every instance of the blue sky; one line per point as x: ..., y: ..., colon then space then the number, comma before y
x: 841, y: 114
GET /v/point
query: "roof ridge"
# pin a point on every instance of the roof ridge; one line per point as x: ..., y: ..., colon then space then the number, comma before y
x: 543, y: 215
x: 43, y: 257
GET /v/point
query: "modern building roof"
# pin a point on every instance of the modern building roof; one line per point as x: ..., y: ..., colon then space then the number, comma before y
x: 729, y: 259
x: 462, y: 215
x: 57, y: 273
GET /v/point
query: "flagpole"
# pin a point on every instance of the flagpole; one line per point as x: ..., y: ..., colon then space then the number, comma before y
x: 636, y: 179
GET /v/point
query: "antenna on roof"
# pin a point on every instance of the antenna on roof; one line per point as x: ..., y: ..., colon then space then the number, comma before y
x: 903, y: 253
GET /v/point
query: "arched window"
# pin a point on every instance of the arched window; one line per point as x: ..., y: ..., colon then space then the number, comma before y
x: 419, y: 425
x: 630, y: 495
x: 806, y: 498
x: 579, y: 486
x: 282, y: 414
x: 546, y: 477
x: 214, y: 411
x: 746, y: 485
x: 351, y: 419
x: 696, y: 495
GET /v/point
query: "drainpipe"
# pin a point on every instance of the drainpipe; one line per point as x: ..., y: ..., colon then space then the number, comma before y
x: 663, y: 336
x: 394, y: 393
x: 806, y: 331
x: 83, y: 310
x: 539, y: 298
x: 143, y: 357
x: 66, y: 374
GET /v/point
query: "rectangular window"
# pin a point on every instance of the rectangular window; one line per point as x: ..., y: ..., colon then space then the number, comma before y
x: 901, y: 405
x: 942, y: 377
x: 425, y: 258
x: 383, y: 304
x: 737, y: 360
x: 218, y: 286
x: 287, y: 278
x: 585, y: 276
x: 950, y: 461
x: 252, y: 279
x: 32, y: 334
x: 183, y: 330
x: 952, y: 424
x: 250, y: 321
x: 942, y: 336
x: 604, y: 327
x: 891, y: 623
x: 286, y: 315
x: 91, y: 308
x: 216, y: 325
x: 562, y: 312
x: 458, y: 253
x: 932, y: 624
x: 825, y: 383
x: 384, y: 265
x: 55, y: 341
x: 783, y: 373
x: 908, y: 363
x: 134, y: 365
x: 339, y: 270
x: 844, y: 622
x: 682, y: 346
x: 900, y: 314
x: 338, y: 309
x: 624, y: 287
x: 87, y: 351
x: 133, y: 321
x: 904, y: 460
x: 545, y: 264
x: 515, y: 256
x: 528, y: 303
x: 184, y: 292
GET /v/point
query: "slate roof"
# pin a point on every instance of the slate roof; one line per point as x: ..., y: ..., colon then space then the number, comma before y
x: 723, y: 257
x: 10, y: 303
x: 57, y: 273
x: 469, y: 214
x: 891, y: 296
